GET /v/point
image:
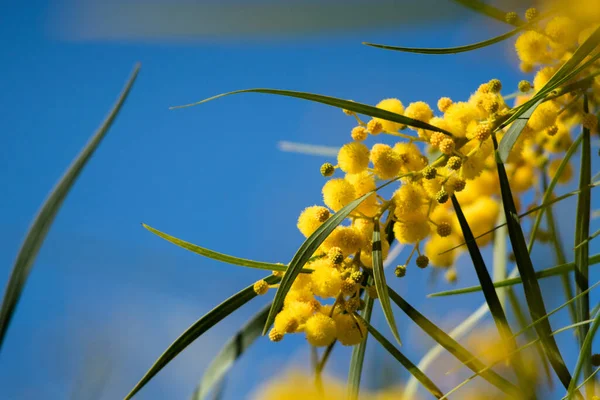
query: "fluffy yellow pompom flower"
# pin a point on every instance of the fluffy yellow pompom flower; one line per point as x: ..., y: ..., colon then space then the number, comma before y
x: 353, y: 157
x: 320, y: 330
x: 337, y: 193
x: 481, y: 216
x: 412, y: 229
x: 363, y: 183
x: 350, y: 331
x: 392, y: 105
x: 300, y: 310
x: 458, y: 116
x: 386, y: 161
x: 523, y: 179
x: 437, y: 245
x: 411, y: 156
x: 532, y: 48
x: 562, y: 30
x: 359, y: 133
x: 543, y: 76
x: 311, y: 218
x: 443, y: 104
x: 285, y: 322
x: 345, y: 238
x: 565, y: 176
x: 419, y: 110
x: 408, y: 199
x: 326, y: 280
x: 544, y: 116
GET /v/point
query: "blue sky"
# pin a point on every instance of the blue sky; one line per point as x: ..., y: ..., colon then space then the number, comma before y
x: 105, y: 289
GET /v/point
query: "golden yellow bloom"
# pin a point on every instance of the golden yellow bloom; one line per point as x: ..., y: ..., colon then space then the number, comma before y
x: 337, y: 193
x: 419, y: 110
x: 353, y: 158
x: 443, y: 104
x: 350, y: 331
x: 326, y: 280
x: 412, y: 228
x: 285, y: 322
x: 320, y: 330
x: 437, y: 245
x: 532, y: 48
x: 311, y: 218
x: 346, y: 238
x: 565, y: 176
x: 392, y: 105
x: 359, y: 133
x: 261, y: 287
x: 386, y: 162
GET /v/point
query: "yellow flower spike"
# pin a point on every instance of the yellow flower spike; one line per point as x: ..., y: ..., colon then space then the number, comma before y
x: 353, y: 158
x: 261, y: 287
x: 532, y: 48
x: 350, y: 331
x: 326, y: 281
x: 523, y: 179
x: 311, y: 218
x: 335, y: 255
x: 419, y: 110
x: 300, y: 310
x: 433, y: 186
x: 454, y: 163
x: 458, y: 116
x: 375, y: 127
x: 437, y: 245
x: 285, y: 322
x: 346, y: 238
x: 412, y: 230
x: 359, y: 133
x: 567, y: 173
x: 544, y: 116
x: 526, y: 67
x: 275, y: 336
x: 436, y: 138
x: 443, y: 104
x: 349, y: 287
x: 495, y: 86
x: 392, y: 105
x: 447, y: 146
x: 408, y: 199
x: 372, y: 292
x: 531, y: 14
x: 411, y: 156
x: 320, y: 330
x: 386, y: 162
x: 337, y: 193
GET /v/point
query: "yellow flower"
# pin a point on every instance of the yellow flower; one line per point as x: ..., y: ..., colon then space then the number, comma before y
x: 386, y: 162
x: 532, y: 48
x: 346, y: 238
x: 392, y: 105
x: 320, y: 330
x: 565, y: 176
x: 353, y: 158
x: 337, y: 193
x: 311, y: 218
x: 419, y: 110
x: 412, y: 229
x: 350, y: 331
x: 326, y: 280
x: 437, y: 245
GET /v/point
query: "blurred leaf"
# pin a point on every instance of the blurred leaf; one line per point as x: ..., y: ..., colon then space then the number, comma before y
x: 358, y: 351
x: 582, y: 231
x: 220, y: 256
x: 510, y: 137
x: 533, y: 293
x: 488, y: 10
x: 500, y: 257
x: 380, y: 282
x: 335, y: 102
x: 197, y: 329
x: 586, y: 380
x: 545, y: 273
x: 230, y: 352
x: 591, y: 237
x: 406, y: 363
x: 43, y: 221
x: 452, y: 346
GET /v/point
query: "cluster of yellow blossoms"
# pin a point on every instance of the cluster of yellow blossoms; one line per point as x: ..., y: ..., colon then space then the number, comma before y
x: 431, y: 167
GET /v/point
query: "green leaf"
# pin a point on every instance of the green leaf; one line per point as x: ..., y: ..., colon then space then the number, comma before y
x: 510, y: 137
x: 450, y: 50
x: 358, y: 352
x: 531, y: 286
x: 43, y: 221
x: 230, y: 352
x: 406, y: 363
x: 452, y: 346
x: 380, y: 282
x: 590, y: 238
x: 197, y: 329
x: 582, y: 231
x: 335, y: 102
x: 219, y: 256
x: 545, y: 273
x: 488, y: 10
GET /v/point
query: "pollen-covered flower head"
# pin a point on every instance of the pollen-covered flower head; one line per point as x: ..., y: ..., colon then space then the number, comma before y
x: 311, y: 218
x: 350, y: 330
x: 533, y: 48
x: 337, y: 193
x: 419, y: 110
x: 392, y: 105
x: 386, y: 162
x: 326, y: 280
x: 320, y: 330
x: 353, y: 157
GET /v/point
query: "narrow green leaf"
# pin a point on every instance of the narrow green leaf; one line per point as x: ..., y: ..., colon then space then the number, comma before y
x: 510, y: 137
x: 43, y: 221
x: 307, y: 249
x: 197, y: 329
x: 450, y: 50
x: 586, y: 380
x: 358, y: 352
x: 406, y: 363
x: 335, y: 102
x: 531, y: 286
x: 582, y: 231
x: 500, y: 258
x: 381, y: 284
x: 219, y: 256
x: 590, y: 238
x: 586, y: 348
x: 229, y: 353
x: 488, y: 10
x: 452, y: 346
x: 545, y: 273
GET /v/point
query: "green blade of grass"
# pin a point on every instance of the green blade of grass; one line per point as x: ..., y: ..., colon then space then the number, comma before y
x: 489, y: 292
x: 499, y: 258
x: 510, y: 137
x: 219, y: 256
x: 380, y: 282
x: 590, y: 238
x: 582, y: 231
x: 335, y: 102
x: 545, y: 273
x: 406, y: 363
x: 229, y: 353
x: 197, y: 329
x: 531, y: 286
x: 488, y: 10
x: 358, y: 352
x: 306, y: 251
x: 586, y: 348
x: 452, y: 346
x: 43, y: 221
x: 586, y: 380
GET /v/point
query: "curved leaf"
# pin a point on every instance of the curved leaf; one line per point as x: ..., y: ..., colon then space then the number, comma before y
x: 197, y: 329
x: 219, y: 256
x: 43, y: 221
x: 488, y: 10
x: 358, y: 352
x: 335, y: 102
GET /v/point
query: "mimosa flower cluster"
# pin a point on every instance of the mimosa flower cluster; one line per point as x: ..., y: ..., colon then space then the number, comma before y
x: 429, y: 168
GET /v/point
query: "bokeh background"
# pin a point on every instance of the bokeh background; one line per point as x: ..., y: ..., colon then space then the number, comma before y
x: 106, y: 297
